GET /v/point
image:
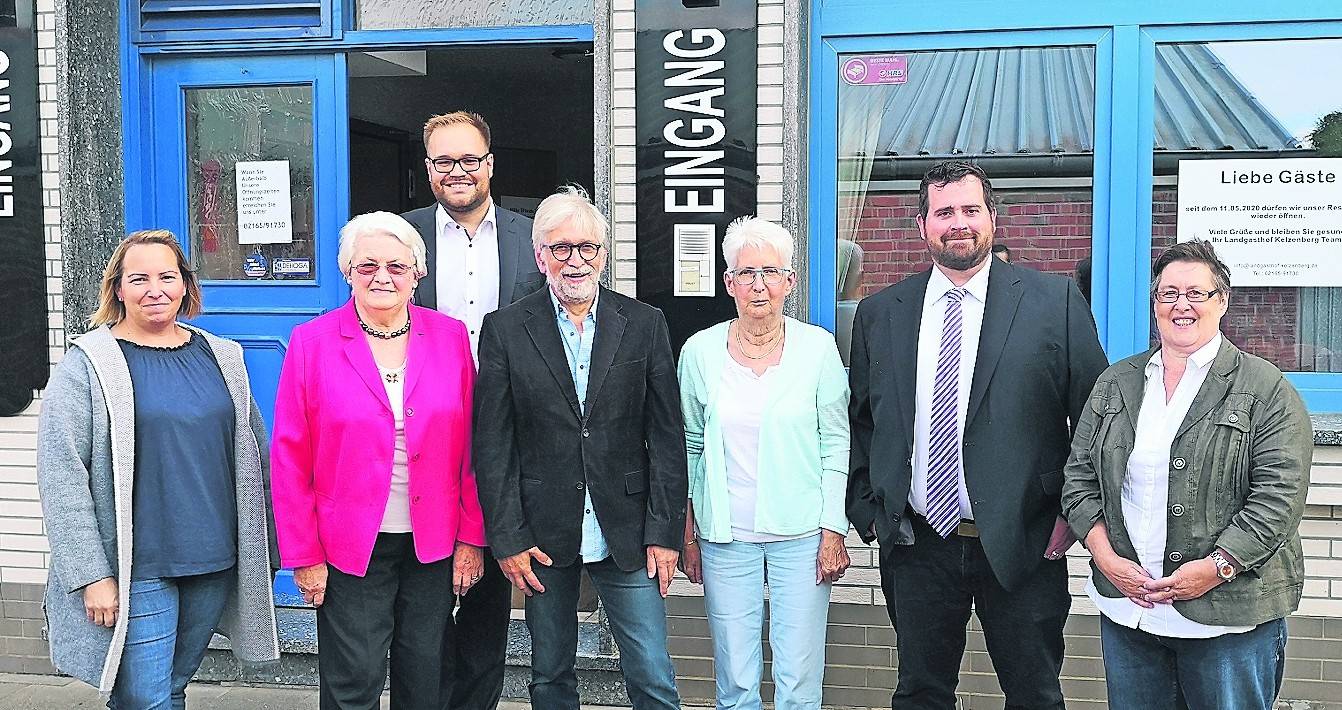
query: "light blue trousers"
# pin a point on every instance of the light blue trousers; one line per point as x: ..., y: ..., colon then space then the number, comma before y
x: 735, y: 575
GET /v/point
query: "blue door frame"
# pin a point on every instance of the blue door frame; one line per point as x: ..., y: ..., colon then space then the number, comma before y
x: 1125, y: 34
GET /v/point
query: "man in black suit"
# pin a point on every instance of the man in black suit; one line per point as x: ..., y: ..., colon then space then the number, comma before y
x: 479, y: 258
x: 960, y: 434
x: 579, y: 453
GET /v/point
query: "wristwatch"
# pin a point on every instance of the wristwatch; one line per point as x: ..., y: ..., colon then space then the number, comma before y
x: 1224, y: 569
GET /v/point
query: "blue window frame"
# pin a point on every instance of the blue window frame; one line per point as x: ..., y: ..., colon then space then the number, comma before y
x: 1125, y: 34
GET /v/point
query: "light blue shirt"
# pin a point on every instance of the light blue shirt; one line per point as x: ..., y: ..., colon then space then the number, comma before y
x: 578, y: 350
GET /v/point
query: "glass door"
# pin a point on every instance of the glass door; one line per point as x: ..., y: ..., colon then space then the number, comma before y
x: 244, y: 163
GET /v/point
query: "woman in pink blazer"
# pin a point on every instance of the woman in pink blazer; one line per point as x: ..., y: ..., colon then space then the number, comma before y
x: 375, y: 502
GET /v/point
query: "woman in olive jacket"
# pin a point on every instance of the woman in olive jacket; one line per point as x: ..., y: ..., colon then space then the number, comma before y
x: 1187, y: 481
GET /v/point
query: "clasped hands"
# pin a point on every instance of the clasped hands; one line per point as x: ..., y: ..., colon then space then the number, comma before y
x: 1190, y: 581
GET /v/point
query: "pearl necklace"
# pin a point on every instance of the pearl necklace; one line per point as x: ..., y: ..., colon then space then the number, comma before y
x: 741, y: 343
x: 384, y: 334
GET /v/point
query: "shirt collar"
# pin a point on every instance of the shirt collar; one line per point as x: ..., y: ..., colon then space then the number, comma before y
x: 444, y: 218
x: 977, y: 286
x: 1201, y: 358
x: 562, y: 314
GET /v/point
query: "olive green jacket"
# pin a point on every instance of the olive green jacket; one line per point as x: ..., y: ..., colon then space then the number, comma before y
x: 1239, y: 472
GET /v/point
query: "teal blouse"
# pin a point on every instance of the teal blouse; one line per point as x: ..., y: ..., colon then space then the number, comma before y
x: 803, y: 447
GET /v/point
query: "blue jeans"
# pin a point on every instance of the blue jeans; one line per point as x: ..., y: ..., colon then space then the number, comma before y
x: 170, y: 625
x: 637, y: 615
x: 1230, y: 672
x: 734, y: 577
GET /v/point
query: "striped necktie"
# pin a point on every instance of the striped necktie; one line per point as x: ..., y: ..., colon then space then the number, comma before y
x: 944, y: 446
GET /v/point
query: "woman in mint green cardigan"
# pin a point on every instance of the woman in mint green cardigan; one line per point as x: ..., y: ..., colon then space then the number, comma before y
x: 765, y: 400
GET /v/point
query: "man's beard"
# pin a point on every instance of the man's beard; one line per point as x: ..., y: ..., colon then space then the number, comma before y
x: 957, y: 260
x: 570, y: 293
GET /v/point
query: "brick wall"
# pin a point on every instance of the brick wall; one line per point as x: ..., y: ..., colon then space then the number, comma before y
x: 23, y: 544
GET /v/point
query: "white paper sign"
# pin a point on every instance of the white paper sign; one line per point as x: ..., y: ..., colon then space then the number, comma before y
x: 264, y: 205
x: 1273, y: 222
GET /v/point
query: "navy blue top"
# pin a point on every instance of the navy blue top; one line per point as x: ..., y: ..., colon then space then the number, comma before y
x: 185, y: 504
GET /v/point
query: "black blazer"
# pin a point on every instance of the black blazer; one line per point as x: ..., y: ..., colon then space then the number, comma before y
x: 1038, y: 358
x: 536, y: 454
x: 518, y: 274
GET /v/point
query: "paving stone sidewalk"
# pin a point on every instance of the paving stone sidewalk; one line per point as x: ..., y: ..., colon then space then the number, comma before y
x: 44, y: 692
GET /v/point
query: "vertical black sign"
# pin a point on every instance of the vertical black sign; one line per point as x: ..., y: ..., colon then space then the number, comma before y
x: 23, y: 339
x: 695, y: 95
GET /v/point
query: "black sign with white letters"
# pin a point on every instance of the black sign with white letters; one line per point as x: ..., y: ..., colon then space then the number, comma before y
x: 23, y: 340
x: 695, y: 97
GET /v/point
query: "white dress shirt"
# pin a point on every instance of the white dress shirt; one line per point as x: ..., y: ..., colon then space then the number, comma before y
x: 466, y: 272
x: 929, y: 348
x: 1146, y: 495
x: 396, y: 516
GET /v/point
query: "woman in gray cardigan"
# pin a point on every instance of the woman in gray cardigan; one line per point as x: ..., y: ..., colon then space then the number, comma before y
x: 150, y: 464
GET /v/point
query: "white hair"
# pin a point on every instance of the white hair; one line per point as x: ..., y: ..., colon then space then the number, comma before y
x: 570, y: 205
x: 382, y: 223
x: 759, y: 233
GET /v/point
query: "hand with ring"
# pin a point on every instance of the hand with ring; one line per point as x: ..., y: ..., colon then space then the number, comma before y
x: 468, y: 567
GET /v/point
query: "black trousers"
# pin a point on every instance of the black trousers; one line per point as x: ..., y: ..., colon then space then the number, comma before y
x: 400, y: 605
x: 933, y: 587
x: 473, y: 668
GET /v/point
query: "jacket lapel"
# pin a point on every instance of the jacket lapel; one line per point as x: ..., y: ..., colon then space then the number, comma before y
x: 1132, y: 387
x: 1215, y: 387
x: 416, y: 350
x: 510, y: 252
x: 905, y: 320
x: 610, y: 322
x: 360, y: 356
x: 544, y: 332
x: 1004, y: 294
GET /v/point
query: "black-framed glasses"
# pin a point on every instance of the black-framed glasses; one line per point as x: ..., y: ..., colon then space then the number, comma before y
x: 468, y: 163
x: 562, y: 251
x: 772, y: 276
x: 1194, y: 295
x: 395, y: 268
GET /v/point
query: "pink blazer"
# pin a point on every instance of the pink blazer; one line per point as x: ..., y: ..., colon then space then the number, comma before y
x: 331, y: 450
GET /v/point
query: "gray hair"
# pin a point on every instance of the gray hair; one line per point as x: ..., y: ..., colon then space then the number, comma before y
x: 382, y: 223
x: 759, y: 233
x: 569, y: 205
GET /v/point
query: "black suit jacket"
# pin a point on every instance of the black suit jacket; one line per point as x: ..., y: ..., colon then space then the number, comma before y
x: 536, y: 452
x: 1038, y: 358
x: 518, y: 275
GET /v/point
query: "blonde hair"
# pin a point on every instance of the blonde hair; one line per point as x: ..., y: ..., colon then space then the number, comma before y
x: 381, y: 223
x: 570, y: 205
x: 110, y: 308
x: 470, y: 118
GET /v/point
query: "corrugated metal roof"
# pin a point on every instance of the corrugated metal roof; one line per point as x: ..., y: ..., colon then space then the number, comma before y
x: 1042, y: 100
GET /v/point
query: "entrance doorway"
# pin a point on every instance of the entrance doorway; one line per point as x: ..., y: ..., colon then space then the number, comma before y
x: 537, y: 100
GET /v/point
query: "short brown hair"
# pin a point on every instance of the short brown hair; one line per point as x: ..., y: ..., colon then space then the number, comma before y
x: 451, y: 119
x: 111, y: 310
x: 949, y: 171
x: 1196, y: 251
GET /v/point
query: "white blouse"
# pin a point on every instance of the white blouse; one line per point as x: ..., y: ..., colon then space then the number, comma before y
x: 396, y: 517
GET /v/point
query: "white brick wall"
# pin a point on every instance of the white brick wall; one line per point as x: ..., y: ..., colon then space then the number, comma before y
x: 23, y: 543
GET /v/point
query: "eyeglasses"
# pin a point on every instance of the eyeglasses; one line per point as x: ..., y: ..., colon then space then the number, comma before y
x: 469, y: 163
x: 1193, y: 295
x: 394, y: 268
x: 772, y: 276
x: 561, y: 252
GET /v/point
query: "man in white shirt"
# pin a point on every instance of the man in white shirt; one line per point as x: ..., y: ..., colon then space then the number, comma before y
x: 479, y: 258
x: 959, y: 437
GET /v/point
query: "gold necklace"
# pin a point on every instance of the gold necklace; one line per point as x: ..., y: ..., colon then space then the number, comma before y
x: 741, y: 345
